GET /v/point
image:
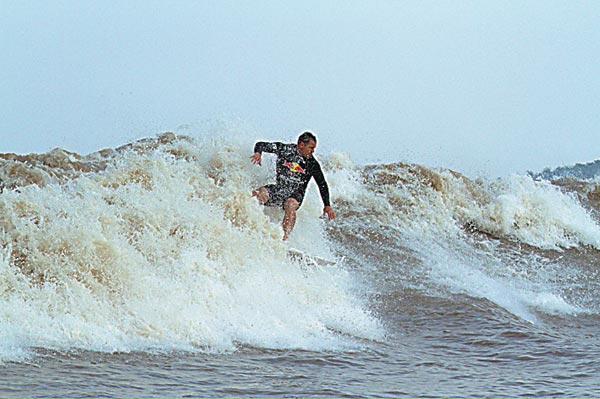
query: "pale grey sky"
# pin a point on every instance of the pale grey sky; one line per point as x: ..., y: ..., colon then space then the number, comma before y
x: 483, y: 87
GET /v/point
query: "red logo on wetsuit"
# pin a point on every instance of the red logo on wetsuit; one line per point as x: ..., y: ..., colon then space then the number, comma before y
x: 294, y: 167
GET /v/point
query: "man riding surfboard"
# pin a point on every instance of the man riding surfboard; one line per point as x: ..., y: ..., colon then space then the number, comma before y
x: 295, y: 166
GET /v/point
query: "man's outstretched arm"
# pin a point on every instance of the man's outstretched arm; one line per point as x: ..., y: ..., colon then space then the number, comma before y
x: 261, y: 147
x: 256, y: 158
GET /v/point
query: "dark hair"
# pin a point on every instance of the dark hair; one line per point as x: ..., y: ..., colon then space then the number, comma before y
x: 306, y: 137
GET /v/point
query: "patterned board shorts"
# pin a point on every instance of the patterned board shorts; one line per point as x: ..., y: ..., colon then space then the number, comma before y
x: 278, y: 195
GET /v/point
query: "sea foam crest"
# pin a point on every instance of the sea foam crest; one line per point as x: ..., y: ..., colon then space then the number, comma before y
x: 539, y: 214
x: 436, y: 202
x: 426, y: 217
x: 164, y: 248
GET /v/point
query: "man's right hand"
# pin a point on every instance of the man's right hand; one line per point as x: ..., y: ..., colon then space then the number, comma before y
x: 256, y: 158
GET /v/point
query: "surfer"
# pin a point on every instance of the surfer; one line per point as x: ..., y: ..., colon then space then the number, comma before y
x: 295, y: 166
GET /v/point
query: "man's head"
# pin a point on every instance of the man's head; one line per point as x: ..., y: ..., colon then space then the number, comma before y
x: 307, y: 142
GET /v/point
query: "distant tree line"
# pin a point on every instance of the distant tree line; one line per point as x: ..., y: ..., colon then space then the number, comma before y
x: 589, y: 170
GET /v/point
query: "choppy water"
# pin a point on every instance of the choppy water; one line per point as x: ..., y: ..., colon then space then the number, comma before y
x: 148, y: 270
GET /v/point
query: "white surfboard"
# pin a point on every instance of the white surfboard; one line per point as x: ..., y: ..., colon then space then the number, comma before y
x: 301, y: 256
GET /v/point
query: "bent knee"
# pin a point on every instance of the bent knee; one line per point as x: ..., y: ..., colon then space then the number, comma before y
x: 263, y: 195
x: 291, y: 204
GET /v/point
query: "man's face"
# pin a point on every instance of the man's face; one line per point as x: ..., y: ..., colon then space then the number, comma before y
x: 307, y: 149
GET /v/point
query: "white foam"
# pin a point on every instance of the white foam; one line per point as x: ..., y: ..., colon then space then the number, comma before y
x: 538, y: 213
x: 517, y: 207
x: 162, y: 252
x: 428, y: 209
x: 483, y: 275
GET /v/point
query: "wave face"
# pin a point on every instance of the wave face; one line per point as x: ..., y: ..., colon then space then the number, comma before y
x: 158, y: 245
x: 527, y: 247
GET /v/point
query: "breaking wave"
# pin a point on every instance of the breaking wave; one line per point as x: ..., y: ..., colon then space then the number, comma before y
x: 158, y: 245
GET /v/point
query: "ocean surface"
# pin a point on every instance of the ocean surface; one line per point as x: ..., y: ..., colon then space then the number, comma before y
x: 149, y: 270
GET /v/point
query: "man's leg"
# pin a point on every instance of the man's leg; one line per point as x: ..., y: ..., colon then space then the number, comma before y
x: 262, y: 194
x: 290, y: 206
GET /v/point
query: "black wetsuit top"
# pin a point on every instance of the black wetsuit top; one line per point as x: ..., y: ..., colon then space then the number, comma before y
x: 293, y: 172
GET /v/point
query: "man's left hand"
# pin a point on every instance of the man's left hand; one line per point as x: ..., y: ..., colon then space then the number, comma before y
x: 329, y: 212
